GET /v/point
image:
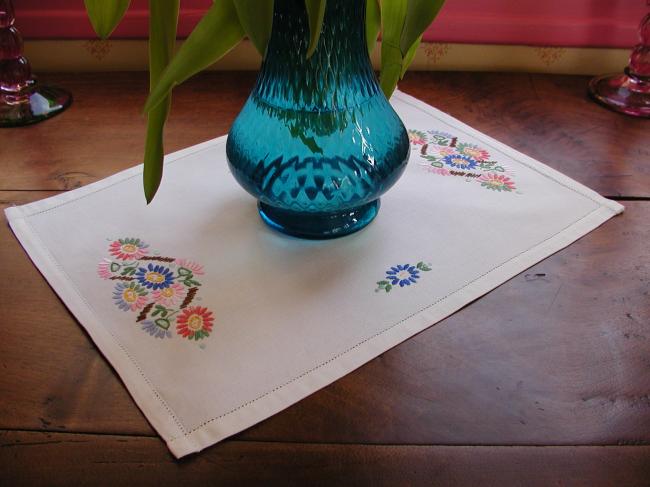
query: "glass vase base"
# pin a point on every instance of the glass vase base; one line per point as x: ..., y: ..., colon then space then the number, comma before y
x: 38, y: 104
x: 319, y: 226
x: 622, y: 93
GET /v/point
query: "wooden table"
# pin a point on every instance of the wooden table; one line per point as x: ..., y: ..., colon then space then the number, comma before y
x: 546, y: 380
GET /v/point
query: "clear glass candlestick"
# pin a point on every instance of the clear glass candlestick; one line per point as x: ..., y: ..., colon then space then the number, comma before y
x: 629, y: 92
x: 23, y: 101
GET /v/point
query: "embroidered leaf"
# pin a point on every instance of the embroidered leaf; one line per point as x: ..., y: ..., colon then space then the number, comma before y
x: 423, y: 267
x: 115, y: 267
x: 315, y: 14
x: 163, y: 323
x: 144, y: 312
x: 105, y: 14
x: 183, y: 271
x: 128, y: 271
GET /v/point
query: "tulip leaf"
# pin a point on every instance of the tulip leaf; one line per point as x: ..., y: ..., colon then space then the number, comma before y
x: 419, y: 15
x: 256, y: 18
x: 410, y: 55
x: 216, y: 34
x: 393, y: 15
x: 315, y: 14
x: 373, y: 23
x: 105, y: 15
x: 163, y: 20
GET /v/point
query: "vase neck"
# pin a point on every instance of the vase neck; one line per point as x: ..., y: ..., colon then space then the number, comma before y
x: 336, y: 77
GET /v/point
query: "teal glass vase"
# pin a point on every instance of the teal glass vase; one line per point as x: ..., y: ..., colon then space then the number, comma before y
x: 317, y: 143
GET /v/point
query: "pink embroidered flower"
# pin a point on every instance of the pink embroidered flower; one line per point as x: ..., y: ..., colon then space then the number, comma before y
x: 445, y: 151
x: 128, y: 248
x: 104, y: 270
x: 442, y: 171
x: 194, y: 323
x: 497, y: 182
x: 416, y: 137
x: 196, y: 269
x: 473, y: 151
x: 169, y: 296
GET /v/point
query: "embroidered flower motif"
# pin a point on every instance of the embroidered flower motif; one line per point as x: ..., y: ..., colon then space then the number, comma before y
x: 160, y: 289
x: 416, y: 137
x: 196, y: 269
x: 129, y: 296
x: 460, y: 162
x: 402, y: 275
x: 157, y: 328
x: 169, y: 296
x: 128, y: 248
x: 194, y: 323
x: 155, y: 276
x: 104, y: 269
x: 444, y: 154
x: 497, y: 182
x: 473, y: 151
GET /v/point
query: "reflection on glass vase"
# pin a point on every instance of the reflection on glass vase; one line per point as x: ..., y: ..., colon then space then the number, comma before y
x: 317, y: 143
x: 23, y: 101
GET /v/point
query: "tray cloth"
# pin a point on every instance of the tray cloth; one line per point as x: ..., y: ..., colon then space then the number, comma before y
x: 215, y: 322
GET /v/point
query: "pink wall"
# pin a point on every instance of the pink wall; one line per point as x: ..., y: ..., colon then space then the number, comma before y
x: 602, y: 23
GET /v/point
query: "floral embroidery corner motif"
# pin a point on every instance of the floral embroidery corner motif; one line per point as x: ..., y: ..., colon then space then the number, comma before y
x: 402, y: 275
x: 159, y: 289
x: 444, y: 154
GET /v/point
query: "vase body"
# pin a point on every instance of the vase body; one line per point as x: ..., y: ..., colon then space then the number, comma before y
x: 317, y: 142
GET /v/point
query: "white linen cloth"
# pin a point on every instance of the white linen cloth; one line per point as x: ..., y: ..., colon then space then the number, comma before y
x: 215, y: 322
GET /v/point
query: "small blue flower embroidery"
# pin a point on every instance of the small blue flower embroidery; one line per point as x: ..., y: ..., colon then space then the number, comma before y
x: 404, y: 275
x: 460, y: 162
x: 155, y: 276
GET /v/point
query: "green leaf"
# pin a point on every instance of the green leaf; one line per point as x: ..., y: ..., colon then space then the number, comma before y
x: 388, y: 287
x: 162, y: 322
x: 216, y: 34
x: 315, y: 14
x: 393, y: 16
x: 410, y: 55
x: 256, y: 17
x: 105, y: 14
x: 115, y: 267
x: 419, y: 14
x: 163, y: 19
x: 373, y: 23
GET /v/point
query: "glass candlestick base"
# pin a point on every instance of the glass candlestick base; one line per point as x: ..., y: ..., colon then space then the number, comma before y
x: 32, y: 105
x: 623, y: 93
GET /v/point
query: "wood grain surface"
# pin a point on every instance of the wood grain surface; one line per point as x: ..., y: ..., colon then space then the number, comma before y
x: 55, y: 458
x: 540, y: 382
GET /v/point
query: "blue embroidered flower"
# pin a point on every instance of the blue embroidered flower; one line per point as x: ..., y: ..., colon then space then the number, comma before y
x: 460, y: 162
x: 129, y: 296
x: 158, y: 328
x: 403, y: 275
x: 155, y: 276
